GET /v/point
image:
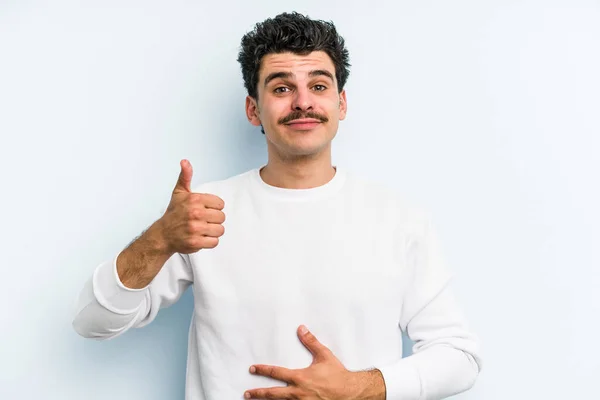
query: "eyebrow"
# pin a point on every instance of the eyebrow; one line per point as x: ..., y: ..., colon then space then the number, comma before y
x: 287, y: 75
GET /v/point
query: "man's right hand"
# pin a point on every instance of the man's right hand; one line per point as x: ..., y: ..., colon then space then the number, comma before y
x: 192, y: 221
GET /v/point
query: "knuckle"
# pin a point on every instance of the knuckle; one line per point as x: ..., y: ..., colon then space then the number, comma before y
x: 190, y: 244
x: 199, y: 213
x: 189, y: 213
x: 189, y: 227
x: 298, y: 379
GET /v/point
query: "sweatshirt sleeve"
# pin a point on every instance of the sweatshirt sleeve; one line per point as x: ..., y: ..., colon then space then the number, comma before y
x: 446, y: 359
x: 106, y: 308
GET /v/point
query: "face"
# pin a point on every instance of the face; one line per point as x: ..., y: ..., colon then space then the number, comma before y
x: 299, y: 104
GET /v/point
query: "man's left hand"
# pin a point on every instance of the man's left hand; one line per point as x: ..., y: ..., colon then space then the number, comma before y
x: 325, y: 379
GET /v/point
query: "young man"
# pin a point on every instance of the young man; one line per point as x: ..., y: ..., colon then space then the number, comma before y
x: 307, y: 245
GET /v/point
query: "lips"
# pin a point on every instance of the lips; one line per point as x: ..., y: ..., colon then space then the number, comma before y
x: 304, y: 121
x: 303, y: 124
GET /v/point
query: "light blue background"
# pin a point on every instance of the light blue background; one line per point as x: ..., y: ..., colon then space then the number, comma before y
x: 485, y: 112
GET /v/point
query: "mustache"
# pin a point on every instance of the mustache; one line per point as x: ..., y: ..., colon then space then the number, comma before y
x: 300, y: 115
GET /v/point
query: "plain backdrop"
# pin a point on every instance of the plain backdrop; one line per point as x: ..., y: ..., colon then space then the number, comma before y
x: 485, y: 112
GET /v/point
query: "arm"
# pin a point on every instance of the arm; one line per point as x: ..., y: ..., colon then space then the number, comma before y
x: 154, y: 270
x: 370, y: 385
x: 445, y: 359
x: 127, y: 291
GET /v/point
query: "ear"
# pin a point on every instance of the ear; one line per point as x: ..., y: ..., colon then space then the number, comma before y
x: 343, y: 105
x: 252, y: 112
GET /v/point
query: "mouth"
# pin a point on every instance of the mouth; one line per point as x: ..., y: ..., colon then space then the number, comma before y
x: 303, y: 124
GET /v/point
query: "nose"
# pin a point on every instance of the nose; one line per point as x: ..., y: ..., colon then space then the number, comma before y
x: 302, y: 100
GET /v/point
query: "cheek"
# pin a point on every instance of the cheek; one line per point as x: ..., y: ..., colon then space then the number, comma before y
x: 333, y: 104
x: 333, y: 110
x: 276, y: 112
x: 269, y: 107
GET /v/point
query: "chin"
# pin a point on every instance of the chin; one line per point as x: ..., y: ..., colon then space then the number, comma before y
x: 307, y: 148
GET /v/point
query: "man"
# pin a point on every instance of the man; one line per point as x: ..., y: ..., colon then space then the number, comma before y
x: 307, y: 245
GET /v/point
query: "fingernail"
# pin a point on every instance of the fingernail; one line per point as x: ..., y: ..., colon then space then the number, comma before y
x: 247, y: 395
x: 252, y: 369
x: 303, y: 330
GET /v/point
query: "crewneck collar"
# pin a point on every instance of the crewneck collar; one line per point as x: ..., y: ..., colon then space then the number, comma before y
x: 285, y: 194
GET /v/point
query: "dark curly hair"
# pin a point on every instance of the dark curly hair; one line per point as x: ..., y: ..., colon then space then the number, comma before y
x: 295, y: 33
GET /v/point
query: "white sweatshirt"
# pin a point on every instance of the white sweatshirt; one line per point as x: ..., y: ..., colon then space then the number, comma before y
x: 351, y: 260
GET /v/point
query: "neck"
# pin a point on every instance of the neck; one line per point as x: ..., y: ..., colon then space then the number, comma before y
x: 298, y: 174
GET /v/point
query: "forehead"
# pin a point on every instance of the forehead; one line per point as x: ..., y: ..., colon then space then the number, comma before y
x: 295, y: 63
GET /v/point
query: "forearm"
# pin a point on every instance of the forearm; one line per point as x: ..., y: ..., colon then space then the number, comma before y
x: 440, y: 371
x: 140, y: 262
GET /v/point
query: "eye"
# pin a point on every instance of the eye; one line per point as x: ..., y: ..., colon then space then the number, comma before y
x: 320, y: 88
x: 280, y: 89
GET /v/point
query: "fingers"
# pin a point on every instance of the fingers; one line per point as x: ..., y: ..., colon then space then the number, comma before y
x: 184, y: 181
x: 208, y: 229
x: 288, y: 392
x: 210, y: 215
x: 211, y: 201
x: 271, y: 371
x: 319, y: 351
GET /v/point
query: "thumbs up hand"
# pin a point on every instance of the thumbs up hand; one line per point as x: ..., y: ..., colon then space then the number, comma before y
x: 192, y: 221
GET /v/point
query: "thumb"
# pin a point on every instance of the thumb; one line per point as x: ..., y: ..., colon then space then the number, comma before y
x: 185, y: 177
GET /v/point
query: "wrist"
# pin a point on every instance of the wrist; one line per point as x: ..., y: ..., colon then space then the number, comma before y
x: 370, y: 385
x: 140, y: 262
x: 157, y: 240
